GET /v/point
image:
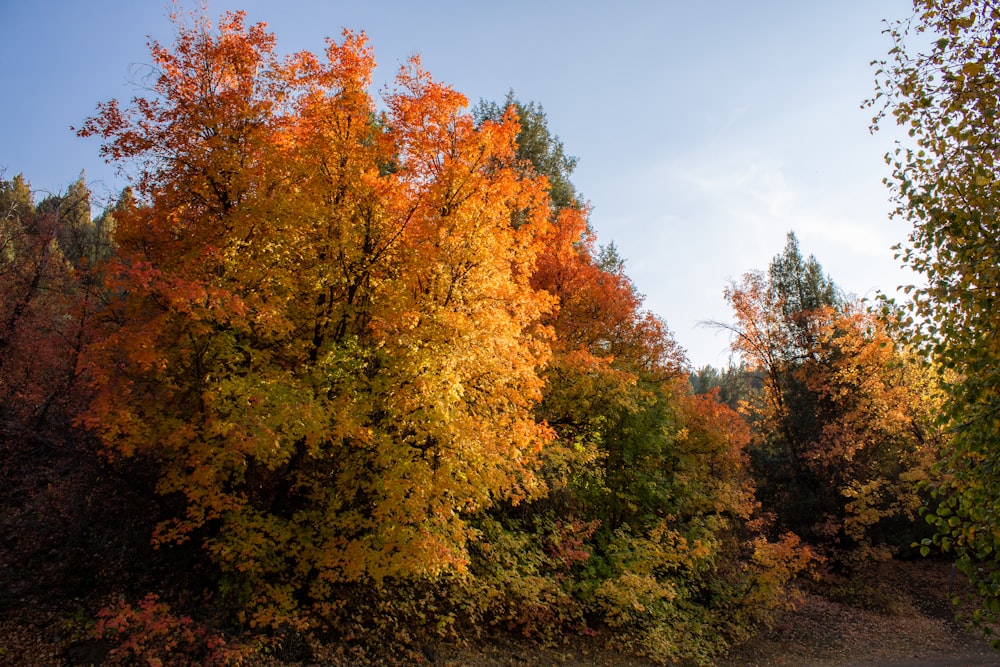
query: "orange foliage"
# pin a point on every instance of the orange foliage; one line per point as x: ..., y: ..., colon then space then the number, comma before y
x: 842, y: 433
x: 329, y: 340
x: 714, y: 439
x: 881, y: 442
x: 599, y: 311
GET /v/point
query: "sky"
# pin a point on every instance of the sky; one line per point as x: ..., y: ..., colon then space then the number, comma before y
x: 705, y: 131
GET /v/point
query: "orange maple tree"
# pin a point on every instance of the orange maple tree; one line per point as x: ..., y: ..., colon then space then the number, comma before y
x: 329, y: 339
x: 878, y: 440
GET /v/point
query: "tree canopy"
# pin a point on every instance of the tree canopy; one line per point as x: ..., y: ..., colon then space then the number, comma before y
x: 328, y: 337
x: 941, y: 84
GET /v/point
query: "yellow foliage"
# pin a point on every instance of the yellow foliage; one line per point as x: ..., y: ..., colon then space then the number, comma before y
x: 330, y: 343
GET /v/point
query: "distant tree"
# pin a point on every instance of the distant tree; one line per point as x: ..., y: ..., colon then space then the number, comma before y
x: 705, y: 379
x: 15, y: 199
x: 774, y: 338
x: 538, y: 146
x: 76, y: 234
x: 736, y: 385
x: 47, y: 305
x: 842, y: 428
x: 106, y: 223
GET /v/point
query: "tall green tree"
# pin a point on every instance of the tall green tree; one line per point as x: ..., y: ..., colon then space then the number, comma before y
x: 537, y: 146
x: 800, y: 289
x: 941, y: 83
x: 778, y: 318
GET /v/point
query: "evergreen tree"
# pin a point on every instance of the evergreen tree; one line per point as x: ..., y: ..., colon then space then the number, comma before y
x: 538, y: 146
x: 15, y: 198
x: 75, y: 231
x: 799, y: 288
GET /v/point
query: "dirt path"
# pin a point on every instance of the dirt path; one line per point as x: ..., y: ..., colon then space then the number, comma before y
x: 909, y: 621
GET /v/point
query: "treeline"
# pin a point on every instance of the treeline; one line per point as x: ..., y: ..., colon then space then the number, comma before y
x: 344, y: 373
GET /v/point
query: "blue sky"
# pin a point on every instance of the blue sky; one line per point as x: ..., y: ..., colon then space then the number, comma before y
x: 705, y: 131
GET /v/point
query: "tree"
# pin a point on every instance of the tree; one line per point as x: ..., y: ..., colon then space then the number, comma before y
x: 328, y: 339
x: 842, y: 426
x: 877, y: 401
x: 384, y: 374
x: 76, y: 235
x: 778, y: 318
x: 800, y: 290
x: 736, y: 385
x: 68, y: 529
x: 647, y: 523
x: 46, y: 305
x: 941, y: 84
x: 537, y: 147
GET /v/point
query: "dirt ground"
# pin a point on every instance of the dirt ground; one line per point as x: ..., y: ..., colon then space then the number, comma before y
x: 909, y: 620
x: 900, y: 617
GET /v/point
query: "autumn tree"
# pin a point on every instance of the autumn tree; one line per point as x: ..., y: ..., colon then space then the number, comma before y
x: 657, y: 475
x: 879, y: 401
x: 940, y: 83
x: 329, y: 342
x: 647, y: 526
x: 778, y: 316
x: 843, y: 426
x: 70, y: 519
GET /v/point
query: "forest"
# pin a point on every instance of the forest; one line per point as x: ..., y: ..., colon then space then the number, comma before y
x: 356, y: 371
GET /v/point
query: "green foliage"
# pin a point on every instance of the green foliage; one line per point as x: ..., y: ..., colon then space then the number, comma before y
x: 941, y: 83
x: 799, y: 289
x: 525, y: 574
x: 16, y: 201
x: 537, y: 146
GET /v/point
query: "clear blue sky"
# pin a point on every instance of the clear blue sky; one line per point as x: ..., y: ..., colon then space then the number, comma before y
x: 705, y: 131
